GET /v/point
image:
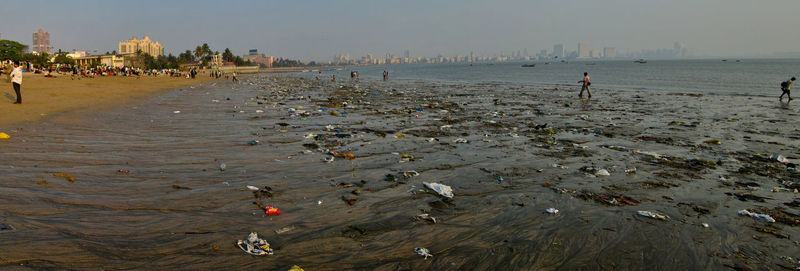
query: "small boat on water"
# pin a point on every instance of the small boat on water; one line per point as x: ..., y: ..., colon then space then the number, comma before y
x: 641, y: 61
x: 529, y: 65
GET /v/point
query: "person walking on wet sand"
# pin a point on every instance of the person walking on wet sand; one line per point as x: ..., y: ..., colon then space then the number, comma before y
x: 586, y: 85
x: 235, y: 80
x: 16, y: 80
x: 786, y: 87
x: 385, y: 75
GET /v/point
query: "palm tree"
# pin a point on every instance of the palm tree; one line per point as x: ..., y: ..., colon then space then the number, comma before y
x: 198, y: 52
x: 206, y: 49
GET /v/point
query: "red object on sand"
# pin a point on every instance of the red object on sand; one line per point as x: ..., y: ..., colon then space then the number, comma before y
x: 272, y: 210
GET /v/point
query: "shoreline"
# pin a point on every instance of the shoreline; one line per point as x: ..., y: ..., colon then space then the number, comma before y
x: 44, y: 98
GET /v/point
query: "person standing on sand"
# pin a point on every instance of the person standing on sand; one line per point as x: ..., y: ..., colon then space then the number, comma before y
x: 786, y: 87
x: 16, y: 80
x: 585, y: 86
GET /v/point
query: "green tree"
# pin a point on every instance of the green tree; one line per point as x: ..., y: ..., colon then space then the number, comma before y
x: 10, y: 49
x: 227, y: 56
x: 186, y: 57
x: 39, y: 60
x: 207, y: 49
x: 198, y: 52
x: 61, y: 58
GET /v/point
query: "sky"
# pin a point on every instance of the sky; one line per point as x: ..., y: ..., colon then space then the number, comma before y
x: 319, y: 29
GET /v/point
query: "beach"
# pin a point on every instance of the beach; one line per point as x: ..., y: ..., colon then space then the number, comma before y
x: 156, y: 176
x: 44, y: 97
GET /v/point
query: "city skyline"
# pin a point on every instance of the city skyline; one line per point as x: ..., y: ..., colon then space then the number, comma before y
x: 318, y: 30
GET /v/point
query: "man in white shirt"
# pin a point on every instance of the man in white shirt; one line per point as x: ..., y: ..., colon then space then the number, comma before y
x: 16, y: 80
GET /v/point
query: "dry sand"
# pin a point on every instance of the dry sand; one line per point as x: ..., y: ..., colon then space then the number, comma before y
x: 45, y: 97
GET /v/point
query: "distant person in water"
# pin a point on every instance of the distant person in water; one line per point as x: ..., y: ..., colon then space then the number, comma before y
x: 586, y: 85
x: 333, y: 79
x: 385, y: 75
x: 786, y: 87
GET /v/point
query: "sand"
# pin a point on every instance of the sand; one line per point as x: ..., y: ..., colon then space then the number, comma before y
x: 47, y: 97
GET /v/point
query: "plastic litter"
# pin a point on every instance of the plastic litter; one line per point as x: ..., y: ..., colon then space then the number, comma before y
x: 254, y: 246
x: 423, y: 252
x: 705, y: 225
x: 713, y: 141
x: 443, y: 190
x: 460, y: 140
x: 410, y: 173
x: 253, y: 142
x: 328, y: 159
x: 296, y: 268
x: 68, y: 177
x: 779, y: 158
x: 653, y: 215
x: 222, y: 167
x: 252, y: 188
x: 762, y: 217
x: 560, y: 166
x: 4, y: 136
x: 176, y: 112
x: 426, y: 217
x: 602, y: 172
x: 272, y: 211
x: 552, y: 211
x: 647, y: 153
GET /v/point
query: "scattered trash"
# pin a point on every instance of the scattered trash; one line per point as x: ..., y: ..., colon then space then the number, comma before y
x: 6, y: 227
x: 560, y: 166
x: 272, y: 211
x: 646, y: 153
x: 713, y: 141
x: 779, y: 158
x: 175, y: 186
x: 349, y: 201
x: 254, y: 246
x: 426, y: 217
x: 176, y: 111
x: 423, y: 252
x: 500, y: 179
x: 460, y: 140
x: 553, y: 211
x: 652, y: 214
x: 68, y: 177
x: 253, y: 188
x: 705, y: 225
x: 602, y: 172
x: 443, y: 190
x: 4, y: 136
x: 410, y: 173
x: 222, y: 167
x: 762, y: 217
x: 328, y: 159
x: 630, y: 170
x: 285, y: 229
x: 399, y: 135
x: 124, y: 171
x: 253, y: 142
x: 296, y: 268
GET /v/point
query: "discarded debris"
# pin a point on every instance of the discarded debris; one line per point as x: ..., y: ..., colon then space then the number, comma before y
x: 423, y: 252
x: 254, y: 246
x: 285, y: 229
x: 762, y: 217
x: 68, y: 177
x: 652, y: 214
x: 272, y: 211
x: 426, y: 217
x: 442, y: 190
x: 4, y: 136
x: 552, y: 211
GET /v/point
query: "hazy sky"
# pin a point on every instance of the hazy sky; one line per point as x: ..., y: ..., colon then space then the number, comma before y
x: 316, y: 30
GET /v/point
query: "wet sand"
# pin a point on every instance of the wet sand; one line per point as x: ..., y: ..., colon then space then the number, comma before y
x: 148, y: 191
x: 47, y: 97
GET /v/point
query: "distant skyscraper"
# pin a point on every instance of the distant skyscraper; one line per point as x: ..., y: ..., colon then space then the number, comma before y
x: 1, y: 36
x: 253, y: 52
x: 41, y: 41
x: 583, y: 50
x: 558, y: 50
x: 145, y: 45
x: 407, y: 54
x: 610, y: 52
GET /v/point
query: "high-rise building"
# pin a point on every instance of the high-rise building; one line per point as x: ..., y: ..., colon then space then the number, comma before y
x: 253, y: 52
x: 583, y: 50
x: 1, y: 36
x: 147, y: 46
x: 41, y: 41
x: 610, y: 52
x: 558, y: 50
